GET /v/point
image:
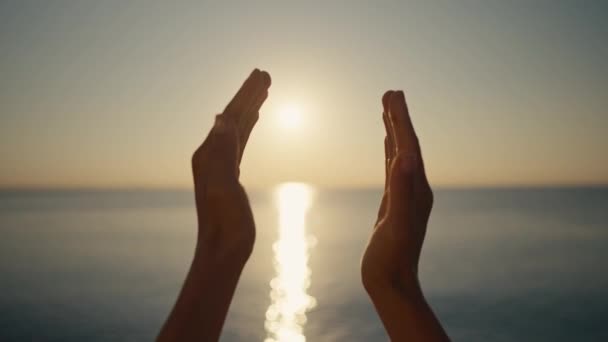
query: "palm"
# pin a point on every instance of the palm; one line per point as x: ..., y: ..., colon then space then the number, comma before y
x: 394, y: 248
x: 223, y: 210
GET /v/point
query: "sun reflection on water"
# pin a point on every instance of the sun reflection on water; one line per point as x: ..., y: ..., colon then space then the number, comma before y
x: 286, y: 315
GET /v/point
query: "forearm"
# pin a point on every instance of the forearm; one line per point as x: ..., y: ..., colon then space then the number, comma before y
x: 405, y: 313
x: 202, y: 305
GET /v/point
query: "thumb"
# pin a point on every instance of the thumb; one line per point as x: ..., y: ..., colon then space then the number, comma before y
x: 401, y: 187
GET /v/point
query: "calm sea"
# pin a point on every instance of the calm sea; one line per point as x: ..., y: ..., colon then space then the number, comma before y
x: 498, y: 265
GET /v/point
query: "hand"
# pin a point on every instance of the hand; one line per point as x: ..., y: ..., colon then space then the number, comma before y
x: 226, y: 231
x: 225, y: 222
x: 389, y: 268
x: 392, y: 255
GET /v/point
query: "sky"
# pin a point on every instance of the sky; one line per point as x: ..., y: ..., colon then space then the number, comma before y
x: 111, y: 94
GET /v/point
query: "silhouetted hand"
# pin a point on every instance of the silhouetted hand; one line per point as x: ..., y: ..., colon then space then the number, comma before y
x: 394, y: 248
x: 389, y: 268
x: 226, y: 231
x: 225, y: 222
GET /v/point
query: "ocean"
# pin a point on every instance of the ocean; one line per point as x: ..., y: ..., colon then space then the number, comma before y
x: 497, y: 265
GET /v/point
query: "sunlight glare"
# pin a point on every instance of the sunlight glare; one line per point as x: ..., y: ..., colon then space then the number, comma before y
x: 290, y: 116
x: 286, y: 315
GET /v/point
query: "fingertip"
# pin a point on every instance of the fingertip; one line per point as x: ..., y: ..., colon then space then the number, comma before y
x: 401, y: 97
x: 397, y: 100
x: 386, y: 99
x: 254, y: 75
x: 267, y: 79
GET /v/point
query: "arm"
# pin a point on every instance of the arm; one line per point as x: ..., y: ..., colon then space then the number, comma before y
x: 389, y: 267
x: 226, y: 230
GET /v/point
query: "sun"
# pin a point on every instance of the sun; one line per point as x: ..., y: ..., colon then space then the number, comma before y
x: 290, y: 116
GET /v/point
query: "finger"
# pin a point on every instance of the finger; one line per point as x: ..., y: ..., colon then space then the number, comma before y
x: 255, y: 99
x: 253, y: 110
x: 262, y: 93
x: 382, y: 209
x: 386, y: 99
x: 401, y: 188
x: 406, y: 140
x: 386, y: 162
x: 390, y: 137
x: 241, y: 100
x: 387, y: 122
x: 389, y: 134
x: 389, y: 152
x: 224, y: 151
x: 403, y: 130
x: 252, y: 119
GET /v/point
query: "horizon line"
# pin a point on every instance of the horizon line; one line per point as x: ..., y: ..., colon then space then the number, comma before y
x: 325, y: 187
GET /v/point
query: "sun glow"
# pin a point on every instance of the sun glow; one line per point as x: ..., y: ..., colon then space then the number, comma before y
x: 290, y: 116
x: 286, y: 315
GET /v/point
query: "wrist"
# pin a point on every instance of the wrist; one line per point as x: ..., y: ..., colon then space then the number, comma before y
x: 388, y: 295
x: 215, y: 254
x: 405, y: 284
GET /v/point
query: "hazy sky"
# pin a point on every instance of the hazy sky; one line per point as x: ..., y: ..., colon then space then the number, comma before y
x: 119, y: 93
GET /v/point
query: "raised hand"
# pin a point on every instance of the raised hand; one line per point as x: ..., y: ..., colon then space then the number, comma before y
x: 394, y: 249
x: 389, y: 268
x: 225, y: 221
x: 226, y: 230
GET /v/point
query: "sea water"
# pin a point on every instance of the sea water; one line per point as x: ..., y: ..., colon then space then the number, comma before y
x: 497, y: 264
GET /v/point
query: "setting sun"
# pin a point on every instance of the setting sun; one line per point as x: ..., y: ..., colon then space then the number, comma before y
x: 290, y: 116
